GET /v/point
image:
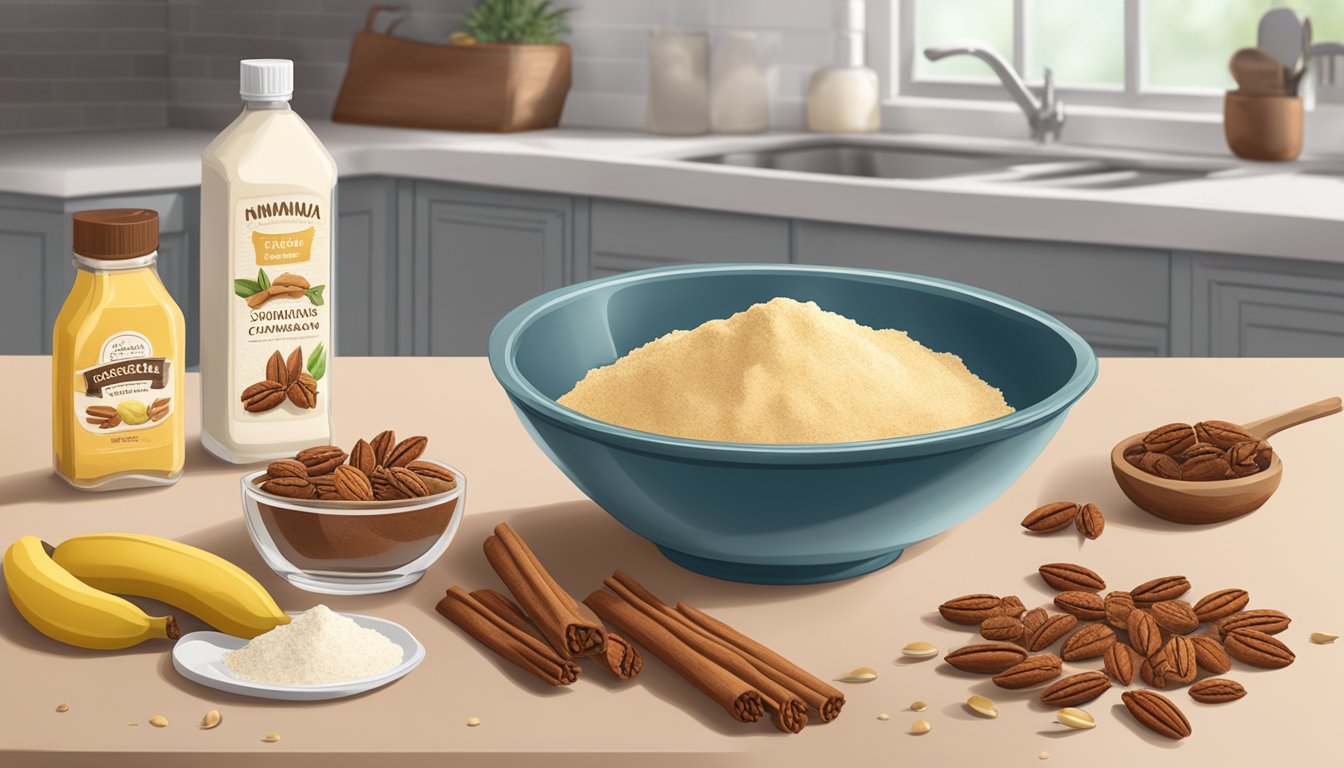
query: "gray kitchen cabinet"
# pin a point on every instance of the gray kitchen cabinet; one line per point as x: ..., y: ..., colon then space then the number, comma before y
x: 35, y: 246
x: 628, y: 236
x: 480, y: 252
x: 1261, y: 307
x: 371, y: 254
x: 1116, y: 298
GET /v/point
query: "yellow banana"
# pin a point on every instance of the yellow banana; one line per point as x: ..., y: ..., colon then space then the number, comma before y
x: 203, y: 584
x: 64, y: 608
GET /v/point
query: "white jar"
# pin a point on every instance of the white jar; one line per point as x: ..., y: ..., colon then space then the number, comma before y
x: 739, y: 96
x: 678, y: 82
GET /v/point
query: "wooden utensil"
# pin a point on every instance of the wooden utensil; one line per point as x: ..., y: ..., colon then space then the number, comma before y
x: 1187, y: 501
x: 1258, y: 73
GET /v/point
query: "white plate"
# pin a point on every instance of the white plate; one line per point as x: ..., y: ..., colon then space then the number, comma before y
x: 199, y: 657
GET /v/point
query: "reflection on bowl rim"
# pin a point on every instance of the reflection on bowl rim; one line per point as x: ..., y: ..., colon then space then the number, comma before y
x: 504, y: 341
x: 356, y: 508
x: 1228, y: 484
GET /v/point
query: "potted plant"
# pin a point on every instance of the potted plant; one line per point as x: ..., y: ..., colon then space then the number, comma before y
x: 505, y: 70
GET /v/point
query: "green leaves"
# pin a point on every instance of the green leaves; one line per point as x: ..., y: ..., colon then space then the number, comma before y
x: 246, y: 288
x: 314, y: 295
x: 516, y: 21
x: 263, y: 280
x: 317, y: 362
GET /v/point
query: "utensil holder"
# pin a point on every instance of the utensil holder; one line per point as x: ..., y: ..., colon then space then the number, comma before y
x: 1263, y: 127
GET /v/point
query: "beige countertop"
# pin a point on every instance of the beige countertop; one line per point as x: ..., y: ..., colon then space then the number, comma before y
x: 1261, y: 209
x: 1286, y: 555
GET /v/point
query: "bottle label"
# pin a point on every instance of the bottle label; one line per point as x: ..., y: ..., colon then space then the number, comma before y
x: 281, y: 316
x: 130, y: 389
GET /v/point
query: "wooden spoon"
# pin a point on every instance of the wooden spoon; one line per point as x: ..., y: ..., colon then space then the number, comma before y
x: 1258, y: 73
x: 1193, y: 502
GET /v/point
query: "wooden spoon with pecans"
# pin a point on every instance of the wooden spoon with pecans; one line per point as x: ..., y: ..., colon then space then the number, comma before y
x: 1198, y: 502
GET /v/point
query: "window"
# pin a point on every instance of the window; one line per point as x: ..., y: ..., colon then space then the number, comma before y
x: 1163, y: 54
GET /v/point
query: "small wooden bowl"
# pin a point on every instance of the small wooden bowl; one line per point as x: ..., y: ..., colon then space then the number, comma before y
x: 1212, y: 501
x: 1189, y: 501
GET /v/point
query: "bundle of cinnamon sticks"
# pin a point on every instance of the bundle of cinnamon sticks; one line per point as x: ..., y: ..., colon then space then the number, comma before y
x: 547, y: 630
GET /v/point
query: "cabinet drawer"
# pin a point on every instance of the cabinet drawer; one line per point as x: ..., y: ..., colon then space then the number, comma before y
x: 629, y: 236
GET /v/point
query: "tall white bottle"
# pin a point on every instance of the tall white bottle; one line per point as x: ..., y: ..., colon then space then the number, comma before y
x: 267, y: 247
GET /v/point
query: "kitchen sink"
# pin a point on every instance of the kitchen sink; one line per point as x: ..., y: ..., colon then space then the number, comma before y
x: 1071, y: 169
x: 871, y: 160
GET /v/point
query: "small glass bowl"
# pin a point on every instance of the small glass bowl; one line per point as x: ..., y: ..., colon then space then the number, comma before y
x: 352, y: 547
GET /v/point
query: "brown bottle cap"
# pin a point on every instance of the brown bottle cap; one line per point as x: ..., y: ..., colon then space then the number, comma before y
x: 116, y: 233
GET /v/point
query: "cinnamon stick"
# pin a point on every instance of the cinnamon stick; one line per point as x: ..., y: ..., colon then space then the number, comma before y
x: 622, y: 660
x: 546, y: 603
x: 505, y: 639
x: 787, y: 712
x: 726, y: 689
x: 826, y: 699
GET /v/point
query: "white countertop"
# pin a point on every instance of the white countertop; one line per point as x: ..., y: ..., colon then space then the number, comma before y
x: 1288, y: 210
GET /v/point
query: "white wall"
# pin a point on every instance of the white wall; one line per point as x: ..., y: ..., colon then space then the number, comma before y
x: 611, y: 37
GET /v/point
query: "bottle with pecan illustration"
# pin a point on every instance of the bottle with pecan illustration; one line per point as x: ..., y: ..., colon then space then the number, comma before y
x: 266, y: 275
x: 117, y: 357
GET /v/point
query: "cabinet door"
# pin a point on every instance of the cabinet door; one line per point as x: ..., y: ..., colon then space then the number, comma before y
x: 1116, y: 298
x: 1265, y: 307
x: 478, y: 254
x: 32, y: 251
x: 368, y: 248
x: 629, y: 236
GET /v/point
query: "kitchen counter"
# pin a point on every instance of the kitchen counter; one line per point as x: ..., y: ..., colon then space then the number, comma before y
x: 1284, y: 210
x: 1286, y: 555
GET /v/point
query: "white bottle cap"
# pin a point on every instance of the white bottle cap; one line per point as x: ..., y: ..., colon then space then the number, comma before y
x: 266, y: 79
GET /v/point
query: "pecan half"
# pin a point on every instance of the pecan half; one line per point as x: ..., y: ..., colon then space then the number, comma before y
x: 1055, y: 516
x: 1176, y: 616
x: 1156, y: 590
x: 1090, y: 521
x: 406, y: 451
x: 985, y: 657
x: 407, y: 482
x: 382, y: 446
x: 1069, y: 576
x: 287, y: 468
x: 293, y: 366
x: 352, y: 484
x: 263, y: 396
x: 1050, y: 630
x: 971, y: 609
x: 1258, y: 649
x: 1076, y: 689
x: 1090, y: 642
x: 1156, y: 713
x: 1119, y: 663
x: 1002, y: 628
x: 1221, y: 604
x: 1087, y: 606
x: 275, y: 368
x: 322, y: 459
x: 1170, y: 439
x: 1033, y: 670
x: 1217, y: 690
x: 1223, y: 434
x: 303, y: 391
x: 290, y: 487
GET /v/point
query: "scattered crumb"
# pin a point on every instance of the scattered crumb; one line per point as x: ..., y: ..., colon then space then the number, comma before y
x: 1044, y: 756
x: 920, y: 727
x: 158, y: 721
x: 884, y: 716
x: 62, y: 707
x: 472, y: 722
x: 919, y: 706
x: 271, y: 737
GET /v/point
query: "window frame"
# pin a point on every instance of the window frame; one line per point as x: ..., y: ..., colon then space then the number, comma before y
x: 895, y: 49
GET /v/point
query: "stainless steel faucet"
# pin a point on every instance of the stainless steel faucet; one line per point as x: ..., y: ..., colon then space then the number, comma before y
x: 1045, y: 116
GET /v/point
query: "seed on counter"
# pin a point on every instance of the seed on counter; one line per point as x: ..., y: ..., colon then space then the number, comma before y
x: 62, y: 707
x: 920, y: 650
x: 983, y: 705
x: 1043, y: 756
x: 884, y: 716
x: 1075, y: 718
x: 271, y: 737
x: 859, y: 675
x: 919, y: 706
x: 472, y: 722
x: 1323, y: 638
x: 158, y: 721
x: 920, y: 727
x: 211, y: 719
x: 133, y: 722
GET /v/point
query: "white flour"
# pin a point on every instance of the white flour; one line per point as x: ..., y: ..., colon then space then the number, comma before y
x: 317, y: 648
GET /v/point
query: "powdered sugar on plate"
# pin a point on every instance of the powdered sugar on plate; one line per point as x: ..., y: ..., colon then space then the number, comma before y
x: 317, y: 647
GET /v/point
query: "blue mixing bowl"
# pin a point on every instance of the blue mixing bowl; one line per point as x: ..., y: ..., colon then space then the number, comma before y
x: 788, y: 514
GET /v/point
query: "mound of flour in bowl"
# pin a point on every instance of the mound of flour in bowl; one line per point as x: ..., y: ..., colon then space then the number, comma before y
x: 318, y: 647
x: 786, y: 372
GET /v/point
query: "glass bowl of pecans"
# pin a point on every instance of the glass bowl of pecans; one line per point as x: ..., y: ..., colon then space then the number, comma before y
x: 367, y: 521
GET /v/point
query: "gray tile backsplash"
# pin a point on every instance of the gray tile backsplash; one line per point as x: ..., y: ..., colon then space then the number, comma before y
x: 68, y: 65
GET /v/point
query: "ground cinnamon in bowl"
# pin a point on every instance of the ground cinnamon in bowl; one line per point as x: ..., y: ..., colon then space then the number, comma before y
x: 786, y: 371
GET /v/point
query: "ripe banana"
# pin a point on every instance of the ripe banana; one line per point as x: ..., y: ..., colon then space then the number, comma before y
x: 203, y: 584
x: 66, y: 609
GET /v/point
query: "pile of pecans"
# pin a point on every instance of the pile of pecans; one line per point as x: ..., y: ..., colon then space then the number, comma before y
x: 1209, y: 450
x: 378, y: 470
x: 1146, y: 632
